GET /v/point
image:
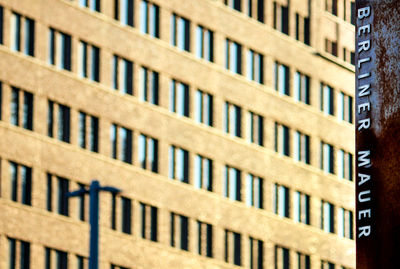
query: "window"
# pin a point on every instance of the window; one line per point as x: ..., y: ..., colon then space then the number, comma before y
x: 301, y: 150
x: 122, y: 75
x: 126, y: 214
x: 203, y: 173
x: 233, y: 119
x: 82, y: 214
x: 63, y: 130
x: 281, y: 18
x: 149, y: 222
x: 21, y: 183
x: 345, y: 165
x: 60, y: 186
x: 327, y: 158
x: 149, y: 19
x: 123, y: 11
x: 88, y: 132
x: 180, y: 32
x: 204, y: 43
x: 94, y: 5
x: 282, y: 78
x: 281, y: 200
x: 282, y: 258
x: 331, y: 6
x: 24, y: 256
x: 233, y: 252
x: 27, y: 108
x: 327, y: 217
x: 303, y: 29
x: 282, y: 139
x: 353, y: 13
x: 345, y: 107
x: 1, y: 24
x: 327, y: 265
x: 303, y: 261
x: 256, y: 254
x: 254, y: 191
x: 204, y: 108
x: 205, y: 239
x: 1, y: 99
x: 61, y: 261
x: 148, y: 153
x: 179, y: 164
x: 255, y: 66
x: 121, y: 143
x: 60, y: 49
x: 179, y: 98
x: 82, y: 262
x: 331, y: 47
x: 255, y: 129
x: 22, y: 25
x: 233, y: 60
x: 235, y: 4
x: 179, y: 231
x: 149, y: 84
x: 301, y: 208
x: 89, y: 56
x: 327, y: 99
x: 255, y: 9
x: 301, y: 85
x: 345, y: 228
x: 232, y: 183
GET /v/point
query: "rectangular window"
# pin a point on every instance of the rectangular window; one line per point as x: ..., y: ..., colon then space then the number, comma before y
x: 301, y: 85
x: 149, y: 19
x: 303, y: 29
x: 21, y: 183
x: 233, y: 119
x: 204, y: 108
x: 63, y: 128
x: 179, y: 231
x: 60, y: 49
x: 281, y: 18
x: 60, y: 186
x: 203, y: 173
x: 254, y: 191
x: 331, y: 6
x: 234, y: 4
x: 205, y: 239
x: 148, y: 153
x: 149, y: 85
x: 149, y: 222
x: 1, y: 24
x: 255, y: 129
x: 179, y: 164
x: 282, y: 258
x: 19, y: 25
x: 1, y: 96
x: 24, y: 254
x: 282, y: 139
x: 82, y: 203
x: 255, y: 9
x: 281, y: 200
x: 88, y: 132
x: 126, y: 211
x: 327, y: 217
x: 327, y: 265
x: 255, y: 66
x: 232, y: 183
x: 121, y: 143
x: 179, y: 98
x: 353, y: 13
x: 331, y: 47
x: 301, y: 209
x: 301, y: 151
x: 282, y: 77
x: 327, y: 158
x: 204, y: 43
x: 61, y: 259
x: 89, y: 66
x: 327, y: 101
x: 345, y: 165
x: 303, y: 261
x: 233, y: 248
x: 256, y: 254
x: 123, y: 11
x: 93, y: 5
x: 345, y: 107
x: 122, y: 75
x: 82, y: 262
x: 233, y: 60
x: 345, y: 228
x: 180, y: 32
x: 17, y: 96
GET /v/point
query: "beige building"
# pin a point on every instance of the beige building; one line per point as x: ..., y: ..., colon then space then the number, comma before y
x: 227, y: 124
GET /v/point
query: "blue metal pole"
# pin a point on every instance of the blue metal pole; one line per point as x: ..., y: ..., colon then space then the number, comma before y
x: 94, y: 225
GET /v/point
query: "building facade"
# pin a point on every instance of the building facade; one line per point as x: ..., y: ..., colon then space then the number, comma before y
x: 227, y: 124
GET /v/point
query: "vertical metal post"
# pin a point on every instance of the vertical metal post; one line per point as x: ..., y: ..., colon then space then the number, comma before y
x: 94, y: 225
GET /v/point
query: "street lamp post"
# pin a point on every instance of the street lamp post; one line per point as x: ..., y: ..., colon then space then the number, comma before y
x: 93, y: 192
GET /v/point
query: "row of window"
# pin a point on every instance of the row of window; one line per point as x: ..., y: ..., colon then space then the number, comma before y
x: 19, y: 254
x: 347, y: 11
x: 121, y: 207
